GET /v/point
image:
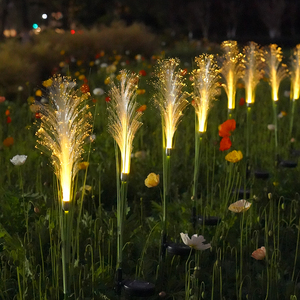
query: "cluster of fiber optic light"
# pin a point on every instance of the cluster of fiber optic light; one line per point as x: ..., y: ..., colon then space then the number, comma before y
x: 65, y: 123
x: 276, y: 70
x: 254, y: 63
x: 170, y: 97
x: 123, y: 115
x: 232, y: 69
x: 206, y: 87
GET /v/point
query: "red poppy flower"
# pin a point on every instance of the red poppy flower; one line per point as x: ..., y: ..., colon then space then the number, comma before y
x: 242, y: 101
x: 194, y: 103
x: 142, y: 73
x: 225, y: 144
x: 8, y: 120
x: 226, y: 128
x: 85, y: 88
x: 94, y: 100
x: 183, y: 72
x: 38, y: 115
x: 107, y: 99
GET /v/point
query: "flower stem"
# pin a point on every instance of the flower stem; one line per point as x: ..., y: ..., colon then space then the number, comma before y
x: 248, y: 129
x: 275, y: 124
x: 198, y: 140
x: 292, y: 118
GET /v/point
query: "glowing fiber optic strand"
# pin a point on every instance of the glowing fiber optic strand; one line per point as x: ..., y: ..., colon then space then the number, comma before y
x: 169, y: 96
x: 65, y: 123
x: 277, y: 71
x: 295, y: 83
x: 123, y: 115
x: 232, y: 69
x: 254, y: 63
x: 206, y: 87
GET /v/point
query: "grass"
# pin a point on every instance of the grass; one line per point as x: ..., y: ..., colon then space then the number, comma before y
x: 30, y: 238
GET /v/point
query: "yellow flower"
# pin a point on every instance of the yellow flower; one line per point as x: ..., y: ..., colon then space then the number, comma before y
x: 234, y: 156
x: 81, y: 77
x: 239, y: 206
x: 30, y: 100
x: 107, y: 80
x: 38, y: 93
x: 111, y: 69
x: 83, y: 165
x: 140, y: 91
x: 152, y: 180
x: 47, y: 83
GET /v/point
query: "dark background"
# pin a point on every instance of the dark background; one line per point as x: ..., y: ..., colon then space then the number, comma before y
x: 261, y: 20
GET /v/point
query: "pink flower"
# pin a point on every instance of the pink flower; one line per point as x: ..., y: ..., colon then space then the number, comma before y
x: 259, y: 254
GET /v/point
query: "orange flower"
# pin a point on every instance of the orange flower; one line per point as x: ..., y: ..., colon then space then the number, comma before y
x: 9, y: 141
x: 7, y: 112
x: 226, y: 128
x: 225, y: 144
x: 142, y: 108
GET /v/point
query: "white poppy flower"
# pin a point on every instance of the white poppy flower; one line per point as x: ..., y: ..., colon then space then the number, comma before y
x: 196, y: 242
x: 18, y: 160
x: 271, y: 127
x: 98, y: 91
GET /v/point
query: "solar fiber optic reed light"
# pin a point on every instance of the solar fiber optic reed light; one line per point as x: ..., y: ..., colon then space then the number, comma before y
x: 232, y: 69
x: 206, y: 88
x: 295, y: 84
x: 171, y: 101
x: 123, y: 123
x: 253, y: 62
x: 65, y: 123
x: 277, y: 71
